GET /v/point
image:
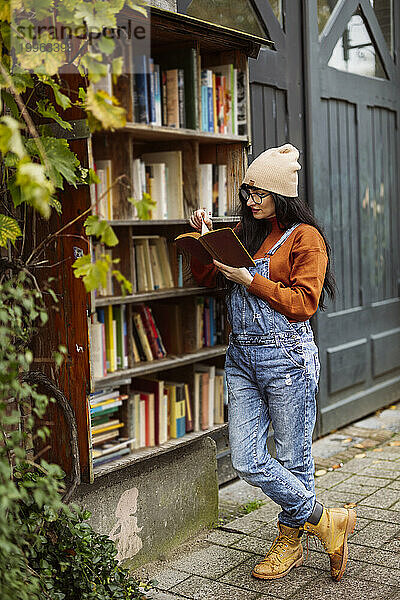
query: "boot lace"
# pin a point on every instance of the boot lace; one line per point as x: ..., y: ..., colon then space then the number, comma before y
x: 313, y: 535
x: 279, y: 545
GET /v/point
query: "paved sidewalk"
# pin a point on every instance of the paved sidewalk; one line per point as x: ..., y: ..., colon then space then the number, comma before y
x: 217, y: 564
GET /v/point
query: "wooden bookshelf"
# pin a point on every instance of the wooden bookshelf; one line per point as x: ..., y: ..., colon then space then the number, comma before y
x: 163, y: 364
x: 214, y: 46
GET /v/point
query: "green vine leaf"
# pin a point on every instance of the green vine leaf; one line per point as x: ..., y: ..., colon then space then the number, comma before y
x: 116, y: 67
x: 62, y: 161
x: 106, y: 45
x: 103, y: 110
x: 36, y: 189
x: 126, y: 286
x: 10, y: 103
x: 99, y: 14
x: 46, y: 63
x: 93, y: 274
x: 96, y: 67
x: 143, y: 206
x: 138, y: 5
x: 100, y: 229
x: 41, y: 9
x: 10, y: 137
x: 9, y: 230
x: 46, y: 109
x: 61, y: 99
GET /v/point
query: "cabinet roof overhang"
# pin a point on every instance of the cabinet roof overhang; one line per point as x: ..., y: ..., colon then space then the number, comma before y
x: 169, y: 27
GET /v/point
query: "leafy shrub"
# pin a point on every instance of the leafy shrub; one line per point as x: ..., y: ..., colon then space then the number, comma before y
x: 48, y: 550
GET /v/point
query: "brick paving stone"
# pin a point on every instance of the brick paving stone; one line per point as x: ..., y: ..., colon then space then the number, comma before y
x: 324, y: 588
x: 157, y: 595
x: 237, y: 526
x: 213, y: 561
x: 332, y: 478
x: 379, y: 556
x: 361, y: 523
x: 389, y: 454
x: 268, y: 513
x: 333, y: 498
x: 349, y: 486
x: 224, y: 538
x: 380, y: 574
x: 168, y: 578
x: 384, y: 498
x: 379, y: 514
x: 246, y: 524
x: 354, y: 431
x: 394, y: 485
x: 392, y: 546
x: 396, y: 506
x: 379, y: 471
x: 366, y: 480
x: 281, y: 588
x: 256, y: 545
x: 355, y: 465
x: 200, y: 588
x: 375, y: 534
x: 268, y: 532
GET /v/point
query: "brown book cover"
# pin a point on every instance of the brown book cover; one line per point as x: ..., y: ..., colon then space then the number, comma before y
x: 138, y: 323
x: 205, y: 382
x: 188, y: 406
x: 155, y: 348
x: 172, y: 98
x: 221, y: 244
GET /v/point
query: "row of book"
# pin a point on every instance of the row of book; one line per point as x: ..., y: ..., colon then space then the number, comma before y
x: 167, y: 328
x: 154, y: 264
x: 177, y: 92
x: 160, y: 175
x: 154, y: 411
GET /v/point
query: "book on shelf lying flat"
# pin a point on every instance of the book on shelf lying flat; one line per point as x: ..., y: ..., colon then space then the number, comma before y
x: 221, y: 244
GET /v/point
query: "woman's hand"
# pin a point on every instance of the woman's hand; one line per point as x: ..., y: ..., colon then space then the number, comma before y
x: 238, y: 275
x: 197, y: 217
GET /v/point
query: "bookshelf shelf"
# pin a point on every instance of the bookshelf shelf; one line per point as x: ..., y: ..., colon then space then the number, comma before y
x: 146, y: 453
x: 164, y: 222
x: 145, y: 132
x: 148, y: 296
x: 162, y: 364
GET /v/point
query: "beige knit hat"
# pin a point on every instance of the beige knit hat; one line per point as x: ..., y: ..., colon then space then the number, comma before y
x: 275, y: 170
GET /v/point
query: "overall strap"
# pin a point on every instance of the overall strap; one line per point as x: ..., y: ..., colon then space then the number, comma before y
x: 282, y: 239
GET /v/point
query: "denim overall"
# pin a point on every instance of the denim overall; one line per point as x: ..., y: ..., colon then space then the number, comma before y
x: 272, y: 372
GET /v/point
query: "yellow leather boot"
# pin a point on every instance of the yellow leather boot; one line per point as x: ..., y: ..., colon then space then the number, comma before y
x: 285, y: 553
x: 332, y: 530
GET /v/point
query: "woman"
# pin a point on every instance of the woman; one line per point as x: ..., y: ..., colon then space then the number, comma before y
x: 272, y: 366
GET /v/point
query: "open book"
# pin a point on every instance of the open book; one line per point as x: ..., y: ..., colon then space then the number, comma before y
x: 221, y: 244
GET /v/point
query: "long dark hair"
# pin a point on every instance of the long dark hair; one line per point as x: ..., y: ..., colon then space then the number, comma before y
x: 289, y: 211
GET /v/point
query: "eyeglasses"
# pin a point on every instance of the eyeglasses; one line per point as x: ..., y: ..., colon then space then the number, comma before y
x: 257, y: 197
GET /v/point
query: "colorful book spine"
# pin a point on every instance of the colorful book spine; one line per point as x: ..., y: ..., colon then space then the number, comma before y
x: 140, y: 95
x: 151, y: 91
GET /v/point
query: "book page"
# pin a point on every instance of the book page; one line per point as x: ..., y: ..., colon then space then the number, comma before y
x: 204, y: 228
